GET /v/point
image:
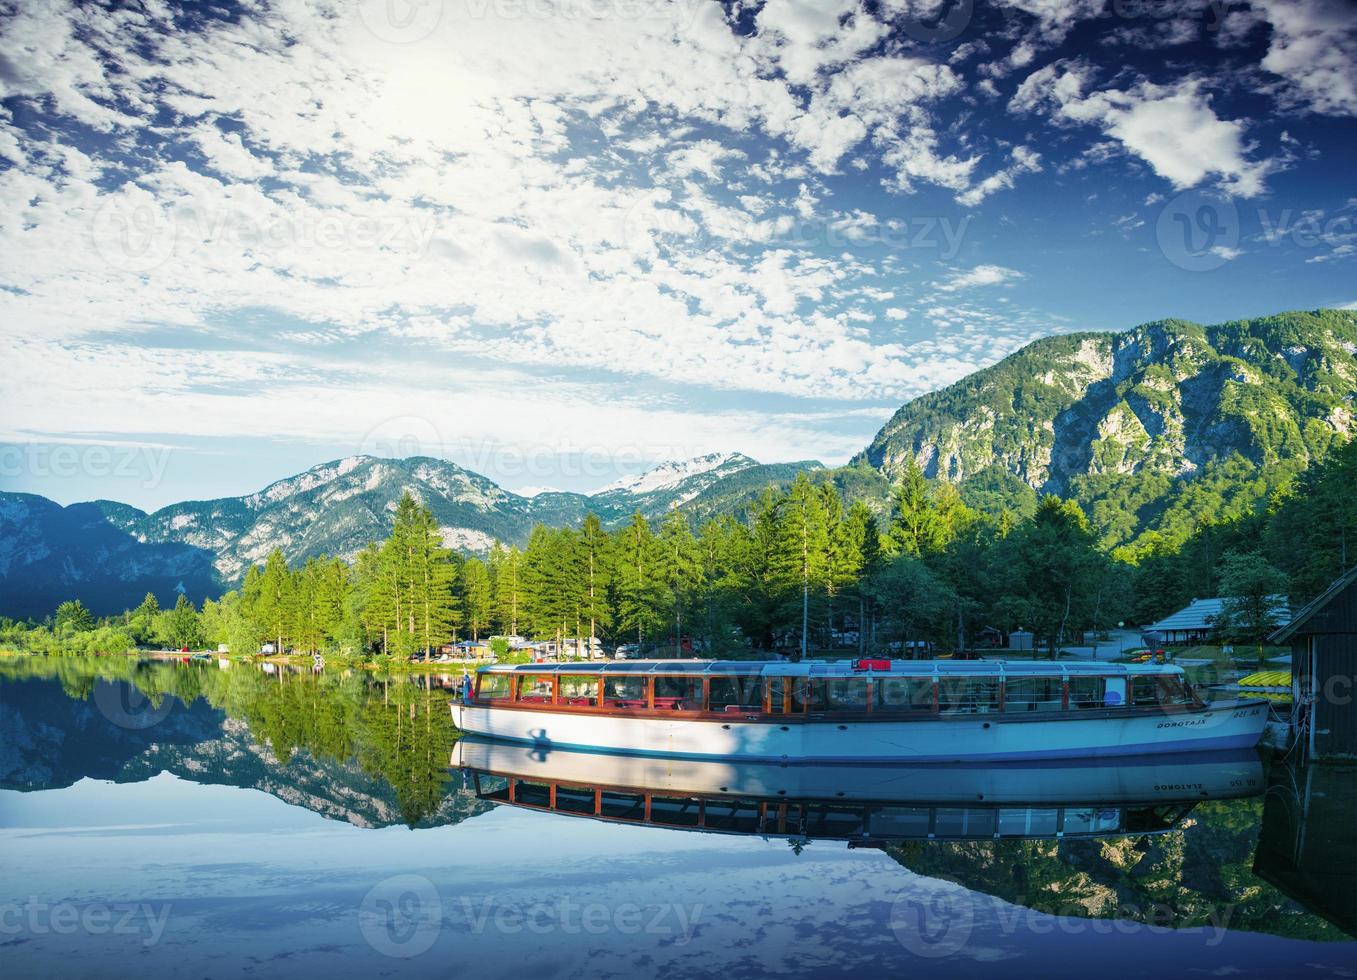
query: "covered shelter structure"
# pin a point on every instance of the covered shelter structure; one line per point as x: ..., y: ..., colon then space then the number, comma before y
x: 1323, y: 641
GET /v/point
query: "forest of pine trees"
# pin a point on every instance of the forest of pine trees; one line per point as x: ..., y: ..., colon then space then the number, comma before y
x: 799, y: 571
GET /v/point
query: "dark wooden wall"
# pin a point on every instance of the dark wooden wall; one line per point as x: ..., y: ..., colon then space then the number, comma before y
x: 1335, y: 715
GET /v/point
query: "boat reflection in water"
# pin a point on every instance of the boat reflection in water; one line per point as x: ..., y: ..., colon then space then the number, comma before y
x: 864, y: 805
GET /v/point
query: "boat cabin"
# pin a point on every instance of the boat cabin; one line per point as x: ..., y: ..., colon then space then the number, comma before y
x: 876, y: 688
x: 828, y: 819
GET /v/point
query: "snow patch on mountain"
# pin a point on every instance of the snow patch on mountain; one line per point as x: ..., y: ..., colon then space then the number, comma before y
x: 671, y: 475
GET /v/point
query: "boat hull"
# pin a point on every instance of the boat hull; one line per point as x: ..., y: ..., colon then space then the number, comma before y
x: 1161, y: 778
x: 969, y: 738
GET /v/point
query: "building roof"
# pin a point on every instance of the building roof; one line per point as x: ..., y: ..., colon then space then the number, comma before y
x: 840, y: 668
x: 1310, y: 609
x: 1204, y: 614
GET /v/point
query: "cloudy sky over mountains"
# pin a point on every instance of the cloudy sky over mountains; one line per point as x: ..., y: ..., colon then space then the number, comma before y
x: 553, y: 241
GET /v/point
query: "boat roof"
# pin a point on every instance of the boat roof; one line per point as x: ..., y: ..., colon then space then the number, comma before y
x: 839, y: 668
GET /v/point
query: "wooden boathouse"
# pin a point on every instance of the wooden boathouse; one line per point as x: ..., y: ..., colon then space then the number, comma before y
x: 1323, y: 641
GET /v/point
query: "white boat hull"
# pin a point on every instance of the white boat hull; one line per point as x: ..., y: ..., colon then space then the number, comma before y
x: 969, y: 738
x: 1160, y: 778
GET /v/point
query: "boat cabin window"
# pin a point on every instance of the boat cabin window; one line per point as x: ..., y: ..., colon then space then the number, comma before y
x: 1087, y: 692
x: 838, y: 694
x: 1028, y: 822
x: 740, y: 816
x: 1023, y: 694
x: 1144, y: 692
x: 677, y: 811
x: 1156, y: 689
x: 622, y: 806
x: 579, y: 690
x: 777, y: 694
x: 900, y: 821
x: 968, y: 695
x: 534, y: 688
x: 904, y: 694
x: 835, y: 821
x: 678, y: 693
x: 965, y: 822
x: 492, y: 687
x: 625, y: 692
x: 1092, y: 820
x: 574, y: 799
x: 735, y: 694
x: 532, y: 794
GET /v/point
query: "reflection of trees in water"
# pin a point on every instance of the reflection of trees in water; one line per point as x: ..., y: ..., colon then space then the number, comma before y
x: 1197, y: 875
x: 408, y: 736
x: 397, y: 729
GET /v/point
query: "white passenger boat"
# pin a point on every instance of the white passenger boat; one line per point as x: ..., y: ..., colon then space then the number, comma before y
x: 856, y: 711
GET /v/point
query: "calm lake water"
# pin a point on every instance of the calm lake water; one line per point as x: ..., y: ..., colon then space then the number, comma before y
x: 162, y: 819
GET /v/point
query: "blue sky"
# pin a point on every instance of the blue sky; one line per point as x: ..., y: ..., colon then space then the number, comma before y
x: 559, y: 240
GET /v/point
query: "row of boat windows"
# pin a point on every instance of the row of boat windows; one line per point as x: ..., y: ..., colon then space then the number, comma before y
x: 841, y: 820
x: 786, y: 695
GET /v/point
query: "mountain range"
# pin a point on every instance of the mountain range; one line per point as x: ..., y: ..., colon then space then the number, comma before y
x: 111, y: 554
x: 1153, y: 431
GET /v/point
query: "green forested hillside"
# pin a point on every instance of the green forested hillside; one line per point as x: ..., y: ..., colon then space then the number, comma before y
x: 1161, y: 428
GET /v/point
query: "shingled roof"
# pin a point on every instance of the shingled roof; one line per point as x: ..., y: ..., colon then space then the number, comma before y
x: 1307, y: 613
x: 1205, y: 614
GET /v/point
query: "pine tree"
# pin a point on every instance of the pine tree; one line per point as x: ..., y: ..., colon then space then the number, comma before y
x: 508, y: 569
x: 682, y: 568
x: 418, y: 573
x: 926, y: 517
x: 640, y: 587
x: 183, y: 626
x: 476, y: 596
x: 594, y: 552
x: 802, y: 548
x: 273, y: 608
x: 857, y: 550
x: 142, y: 619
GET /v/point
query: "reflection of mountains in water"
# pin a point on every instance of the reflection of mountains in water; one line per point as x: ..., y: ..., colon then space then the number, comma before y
x: 862, y: 804
x: 50, y: 739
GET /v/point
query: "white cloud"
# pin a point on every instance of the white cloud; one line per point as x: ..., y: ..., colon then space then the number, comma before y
x: 896, y: 313
x: 1025, y: 161
x: 1173, y: 128
x: 1054, y: 19
x: 981, y: 275
x: 1313, y: 47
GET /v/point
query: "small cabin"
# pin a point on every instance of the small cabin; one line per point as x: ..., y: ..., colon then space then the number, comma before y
x: 1323, y: 641
x: 1200, y: 619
